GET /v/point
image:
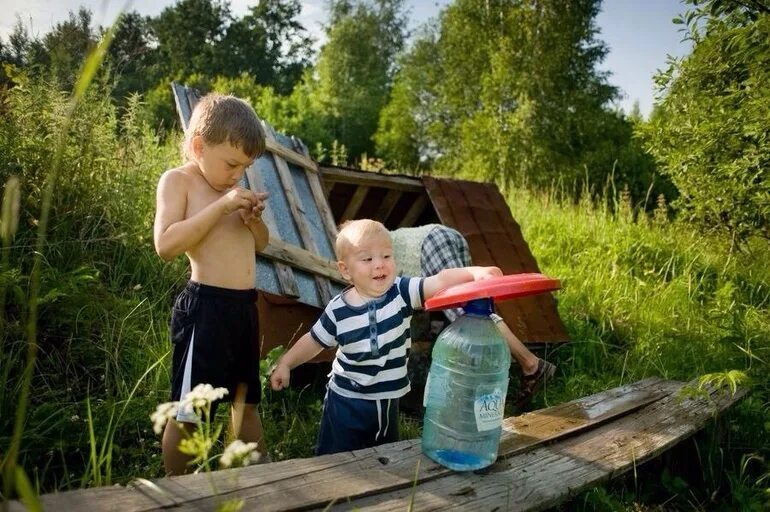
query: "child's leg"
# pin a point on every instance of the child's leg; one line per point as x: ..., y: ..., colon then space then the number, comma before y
x: 174, y: 461
x: 351, y: 424
x: 246, y: 425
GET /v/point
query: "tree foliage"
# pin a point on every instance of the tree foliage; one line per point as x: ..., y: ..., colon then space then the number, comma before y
x: 510, y: 91
x: 189, y: 38
x: 711, y: 132
x: 356, y: 66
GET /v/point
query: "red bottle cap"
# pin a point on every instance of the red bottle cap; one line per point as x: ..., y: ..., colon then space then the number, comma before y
x: 497, y: 289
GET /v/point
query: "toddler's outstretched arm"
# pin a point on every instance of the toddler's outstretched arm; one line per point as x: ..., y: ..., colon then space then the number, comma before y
x: 453, y: 276
x: 303, y: 351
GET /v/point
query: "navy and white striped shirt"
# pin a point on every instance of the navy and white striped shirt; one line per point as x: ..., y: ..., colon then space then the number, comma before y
x: 372, y: 341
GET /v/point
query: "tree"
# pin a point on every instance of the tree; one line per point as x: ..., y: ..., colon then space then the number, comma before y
x: 131, y: 58
x: 356, y: 66
x: 402, y: 137
x: 711, y: 131
x: 269, y: 44
x: 509, y: 91
x: 65, y: 48
x: 187, y: 35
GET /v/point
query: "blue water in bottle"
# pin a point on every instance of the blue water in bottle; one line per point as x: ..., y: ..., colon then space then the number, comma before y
x: 465, y: 392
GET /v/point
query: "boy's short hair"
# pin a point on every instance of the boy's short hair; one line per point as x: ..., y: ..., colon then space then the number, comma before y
x: 352, y: 232
x: 220, y: 118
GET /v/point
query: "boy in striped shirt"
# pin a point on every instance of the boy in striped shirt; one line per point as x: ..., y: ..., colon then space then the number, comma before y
x: 368, y: 323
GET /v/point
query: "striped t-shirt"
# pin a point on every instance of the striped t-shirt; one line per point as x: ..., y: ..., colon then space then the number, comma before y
x: 372, y: 341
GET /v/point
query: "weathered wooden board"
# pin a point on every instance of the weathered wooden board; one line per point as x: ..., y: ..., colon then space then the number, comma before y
x: 284, y: 272
x: 308, y: 483
x: 372, y: 179
x: 541, y: 478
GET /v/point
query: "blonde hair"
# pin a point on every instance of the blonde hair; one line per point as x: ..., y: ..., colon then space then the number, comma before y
x: 219, y: 118
x: 353, y: 232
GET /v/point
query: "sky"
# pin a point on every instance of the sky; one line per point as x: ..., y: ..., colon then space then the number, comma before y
x: 640, y: 35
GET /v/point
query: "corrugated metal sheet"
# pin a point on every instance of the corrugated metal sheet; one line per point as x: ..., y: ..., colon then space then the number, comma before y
x: 480, y: 213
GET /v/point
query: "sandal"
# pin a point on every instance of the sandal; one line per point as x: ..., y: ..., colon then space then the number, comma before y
x: 531, y: 383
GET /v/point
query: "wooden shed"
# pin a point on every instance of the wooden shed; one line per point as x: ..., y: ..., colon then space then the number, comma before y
x: 296, y: 273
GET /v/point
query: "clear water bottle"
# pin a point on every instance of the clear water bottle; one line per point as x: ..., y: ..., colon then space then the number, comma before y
x: 465, y: 392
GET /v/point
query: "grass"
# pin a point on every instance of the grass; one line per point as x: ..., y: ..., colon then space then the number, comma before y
x: 640, y: 298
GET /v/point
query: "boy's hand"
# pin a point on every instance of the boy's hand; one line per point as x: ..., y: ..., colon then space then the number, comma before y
x: 239, y: 198
x: 255, y: 212
x: 280, y: 376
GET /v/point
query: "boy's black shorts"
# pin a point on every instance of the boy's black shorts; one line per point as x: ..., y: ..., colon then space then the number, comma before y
x: 214, y: 335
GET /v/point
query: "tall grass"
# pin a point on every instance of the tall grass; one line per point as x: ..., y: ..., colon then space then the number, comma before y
x: 79, y: 316
x: 644, y: 297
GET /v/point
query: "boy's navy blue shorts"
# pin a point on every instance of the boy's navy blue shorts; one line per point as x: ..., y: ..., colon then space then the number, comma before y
x: 353, y: 423
x: 214, y: 332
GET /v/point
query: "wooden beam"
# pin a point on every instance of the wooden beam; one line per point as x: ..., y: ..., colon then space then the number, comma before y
x: 386, y: 208
x: 289, y: 155
x: 319, y: 196
x: 297, y: 213
x: 355, y: 203
x: 286, y: 279
x: 300, y: 258
x: 544, y: 477
x: 592, y: 433
x: 371, y: 179
x: 414, y: 212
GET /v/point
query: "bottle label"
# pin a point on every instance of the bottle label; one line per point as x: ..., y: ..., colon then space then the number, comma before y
x: 489, y: 408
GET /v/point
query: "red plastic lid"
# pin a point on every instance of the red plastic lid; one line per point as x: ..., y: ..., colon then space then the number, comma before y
x: 497, y: 288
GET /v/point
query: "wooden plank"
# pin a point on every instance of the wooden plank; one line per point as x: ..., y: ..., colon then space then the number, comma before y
x: 289, y: 155
x: 285, y: 274
x: 307, y: 483
x: 549, y: 475
x: 371, y: 179
x: 382, y: 469
x: 351, y: 210
x: 328, y: 187
x: 414, y: 211
x: 183, y: 107
x: 387, y: 205
x: 297, y: 213
x: 319, y: 196
x: 289, y: 254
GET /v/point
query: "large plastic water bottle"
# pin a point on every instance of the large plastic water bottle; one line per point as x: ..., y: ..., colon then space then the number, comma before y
x: 465, y: 392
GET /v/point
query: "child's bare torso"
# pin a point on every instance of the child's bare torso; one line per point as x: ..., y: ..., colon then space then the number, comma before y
x: 225, y: 256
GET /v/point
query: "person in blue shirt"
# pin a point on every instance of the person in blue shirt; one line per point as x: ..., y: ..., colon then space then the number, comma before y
x: 368, y: 323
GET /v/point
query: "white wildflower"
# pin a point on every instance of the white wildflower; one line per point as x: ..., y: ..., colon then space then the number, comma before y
x: 202, y: 396
x: 239, y: 453
x: 162, y: 414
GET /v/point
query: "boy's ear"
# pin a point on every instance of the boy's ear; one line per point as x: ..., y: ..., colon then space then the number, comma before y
x: 343, y: 270
x: 197, y: 146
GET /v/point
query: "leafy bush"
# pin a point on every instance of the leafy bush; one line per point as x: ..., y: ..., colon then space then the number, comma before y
x: 711, y: 133
x: 103, y: 292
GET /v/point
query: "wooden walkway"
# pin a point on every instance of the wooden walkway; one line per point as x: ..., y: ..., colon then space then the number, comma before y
x: 546, y: 457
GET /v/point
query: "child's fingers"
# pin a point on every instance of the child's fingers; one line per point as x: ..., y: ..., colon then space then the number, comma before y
x: 277, y: 383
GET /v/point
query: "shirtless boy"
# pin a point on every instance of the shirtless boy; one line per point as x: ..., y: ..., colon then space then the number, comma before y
x: 204, y: 214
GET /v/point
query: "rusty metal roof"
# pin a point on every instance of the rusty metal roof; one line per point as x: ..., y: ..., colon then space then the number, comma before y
x: 480, y: 213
